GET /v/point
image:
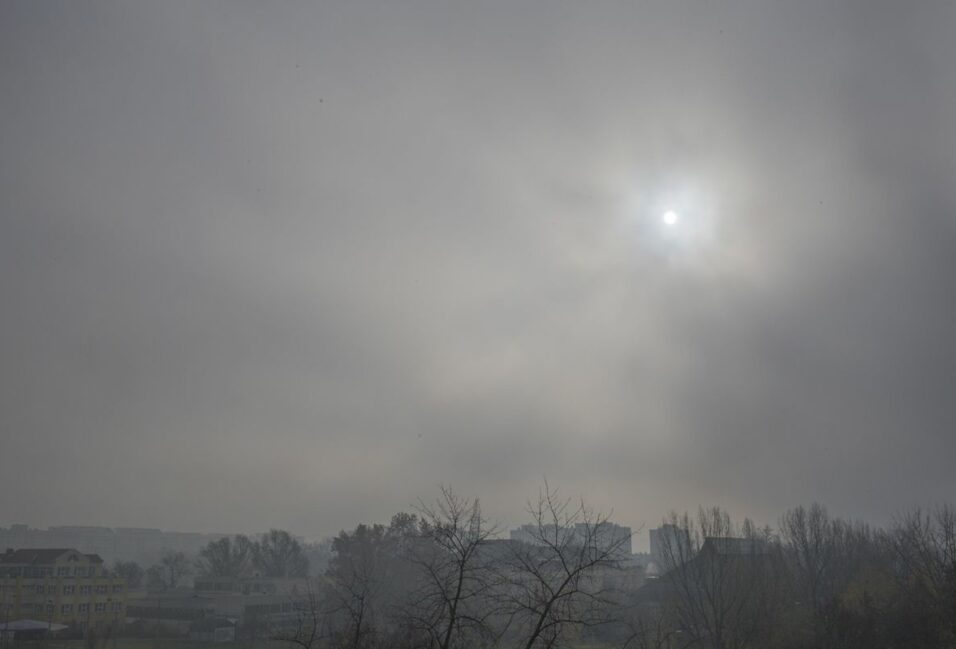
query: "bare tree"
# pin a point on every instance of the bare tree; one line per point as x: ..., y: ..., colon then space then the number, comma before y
x: 366, y: 580
x: 310, y: 626
x: 813, y: 544
x: 353, y: 593
x: 226, y: 557
x: 551, y: 586
x: 653, y: 629
x: 279, y: 554
x: 720, y: 579
x: 823, y: 556
x: 451, y: 602
x: 131, y: 571
x: 924, y: 544
x: 170, y: 571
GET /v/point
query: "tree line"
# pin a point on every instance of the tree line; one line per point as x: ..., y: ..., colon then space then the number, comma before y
x: 815, y: 582
x: 438, y: 578
x: 276, y: 554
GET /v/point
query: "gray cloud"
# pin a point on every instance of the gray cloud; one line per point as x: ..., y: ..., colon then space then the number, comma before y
x: 294, y: 266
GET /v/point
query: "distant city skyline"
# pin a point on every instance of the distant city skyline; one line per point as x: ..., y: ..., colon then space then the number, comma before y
x: 9, y: 531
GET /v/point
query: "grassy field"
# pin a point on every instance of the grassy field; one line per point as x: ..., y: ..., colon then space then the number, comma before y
x: 178, y: 643
x: 149, y: 643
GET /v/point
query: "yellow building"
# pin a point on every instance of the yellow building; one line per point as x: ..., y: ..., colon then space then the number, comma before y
x: 60, y: 587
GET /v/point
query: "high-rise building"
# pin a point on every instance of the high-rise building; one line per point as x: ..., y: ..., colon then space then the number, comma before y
x: 669, y: 543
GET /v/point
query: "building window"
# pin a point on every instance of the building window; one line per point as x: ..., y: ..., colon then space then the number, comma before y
x: 83, y: 608
x: 86, y: 590
x: 117, y: 606
x: 69, y: 590
x: 80, y: 572
x: 66, y: 608
x: 101, y: 589
x: 49, y: 608
x: 63, y: 571
x: 100, y: 607
x: 40, y: 588
x: 117, y: 589
x: 51, y: 589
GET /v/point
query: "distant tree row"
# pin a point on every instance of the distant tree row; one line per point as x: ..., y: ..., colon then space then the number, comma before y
x: 817, y: 582
x: 439, y: 579
x: 275, y: 554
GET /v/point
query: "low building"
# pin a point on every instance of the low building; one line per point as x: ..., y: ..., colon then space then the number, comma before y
x: 721, y: 564
x: 290, y: 586
x: 184, y: 609
x: 20, y: 630
x: 605, y: 534
x: 60, y: 586
x: 213, y: 629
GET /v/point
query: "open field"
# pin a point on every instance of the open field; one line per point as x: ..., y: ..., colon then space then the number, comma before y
x: 177, y: 643
x: 148, y: 643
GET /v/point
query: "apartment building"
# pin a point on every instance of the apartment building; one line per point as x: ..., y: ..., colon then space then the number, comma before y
x: 59, y: 586
x: 605, y: 535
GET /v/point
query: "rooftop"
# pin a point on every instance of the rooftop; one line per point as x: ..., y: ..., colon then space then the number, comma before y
x: 41, y: 556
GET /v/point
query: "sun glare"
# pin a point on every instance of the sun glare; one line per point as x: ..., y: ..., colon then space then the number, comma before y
x: 670, y: 217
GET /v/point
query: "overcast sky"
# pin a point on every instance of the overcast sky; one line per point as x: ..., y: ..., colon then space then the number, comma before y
x: 297, y: 264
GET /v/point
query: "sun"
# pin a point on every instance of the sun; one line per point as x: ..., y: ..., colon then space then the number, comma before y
x: 670, y: 218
